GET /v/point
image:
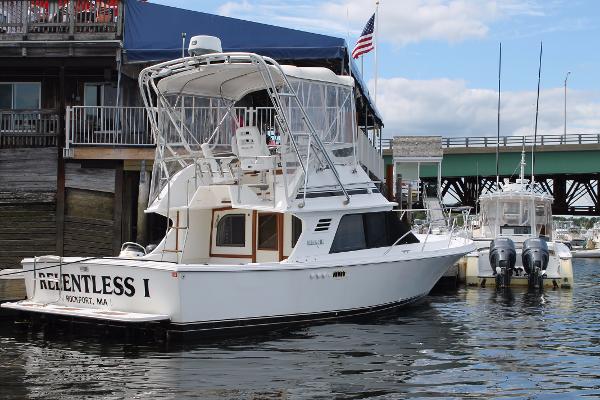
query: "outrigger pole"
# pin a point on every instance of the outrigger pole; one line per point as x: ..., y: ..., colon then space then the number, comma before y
x: 537, y: 104
x: 498, y: 130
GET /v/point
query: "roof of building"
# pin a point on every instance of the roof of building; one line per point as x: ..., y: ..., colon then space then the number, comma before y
x: 153, y: 33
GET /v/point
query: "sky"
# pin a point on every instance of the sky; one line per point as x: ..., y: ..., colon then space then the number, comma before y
x: 438, y: 59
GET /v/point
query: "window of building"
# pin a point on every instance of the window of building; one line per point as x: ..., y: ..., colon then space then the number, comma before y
x: 267, y: 232
x: 92, y: 94
x: 296, y: 230
x: 370, y: 230
x: 20, y: 95
x: 231, y: 230
x: 5, y: 96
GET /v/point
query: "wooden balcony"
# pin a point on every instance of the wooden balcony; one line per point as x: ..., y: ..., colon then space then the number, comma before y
x: 50, y: 20
x: 29, y: 128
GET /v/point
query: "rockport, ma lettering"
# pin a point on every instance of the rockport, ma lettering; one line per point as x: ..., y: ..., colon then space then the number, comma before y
x: 113, y: 285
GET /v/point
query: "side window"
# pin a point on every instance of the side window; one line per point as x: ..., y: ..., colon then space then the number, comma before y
x: 231, y: 231
x: 375, y: 231
x: 369, y: 231
x: 350, y: 234
x: 296, y: 230
x: 395, y: 229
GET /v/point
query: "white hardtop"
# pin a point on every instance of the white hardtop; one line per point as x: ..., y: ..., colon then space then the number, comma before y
x: 519, y: 190
x: 234, y: 81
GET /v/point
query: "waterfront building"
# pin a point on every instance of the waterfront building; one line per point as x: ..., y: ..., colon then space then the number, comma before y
x: 75, y: 144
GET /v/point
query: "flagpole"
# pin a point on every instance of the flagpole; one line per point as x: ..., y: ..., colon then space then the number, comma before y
x: 376, y: 45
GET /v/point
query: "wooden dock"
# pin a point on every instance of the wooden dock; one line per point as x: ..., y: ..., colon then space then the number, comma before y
x: 11, y: 290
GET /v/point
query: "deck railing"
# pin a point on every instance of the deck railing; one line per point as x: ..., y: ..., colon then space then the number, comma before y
x: 515, y: 141
x: 28, y: 128
x: 107, y: 126
x: 370, y: 157
x: 59, y: 17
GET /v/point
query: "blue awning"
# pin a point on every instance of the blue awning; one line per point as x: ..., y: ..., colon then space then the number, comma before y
x: 152, y: 33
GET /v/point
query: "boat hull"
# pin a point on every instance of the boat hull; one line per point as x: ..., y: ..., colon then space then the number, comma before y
x: 204, y: 298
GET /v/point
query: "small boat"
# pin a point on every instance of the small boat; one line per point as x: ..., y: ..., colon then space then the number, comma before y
x: 272, y: 219
x: 514, y: 240
x: 586, y: 253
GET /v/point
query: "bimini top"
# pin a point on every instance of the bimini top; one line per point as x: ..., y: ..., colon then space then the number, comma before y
x: 519, y: 190
x: 234, y: 81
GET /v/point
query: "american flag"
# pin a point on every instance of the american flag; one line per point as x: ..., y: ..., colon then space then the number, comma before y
x: 365, y: 41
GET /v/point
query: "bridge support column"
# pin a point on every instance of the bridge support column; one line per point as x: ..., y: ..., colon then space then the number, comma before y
x: 559, y: 186
x: 597, y: 202
x: 470, y: 191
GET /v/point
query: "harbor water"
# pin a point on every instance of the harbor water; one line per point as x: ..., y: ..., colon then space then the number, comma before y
x: 470, y: 342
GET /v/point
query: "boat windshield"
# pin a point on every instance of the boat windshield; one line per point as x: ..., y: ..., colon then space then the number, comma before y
x: 515, y: 216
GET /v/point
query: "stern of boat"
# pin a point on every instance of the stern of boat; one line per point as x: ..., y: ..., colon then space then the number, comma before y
x: 109, y: 289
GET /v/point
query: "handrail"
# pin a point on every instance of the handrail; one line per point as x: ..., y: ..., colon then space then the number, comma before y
x: 59, y: 18
x: 107, y: 125
x: 396, y: 242
x: 29, y: 128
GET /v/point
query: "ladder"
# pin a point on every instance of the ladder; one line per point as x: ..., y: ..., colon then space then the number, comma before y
x: 176, y: 227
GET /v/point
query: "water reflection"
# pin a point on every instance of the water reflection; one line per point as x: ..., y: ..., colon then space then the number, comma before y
x: 469, y: 343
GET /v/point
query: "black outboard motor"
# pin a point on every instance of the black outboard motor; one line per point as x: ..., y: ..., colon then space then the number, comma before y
x: 503, y: 257
x: 535, y: 261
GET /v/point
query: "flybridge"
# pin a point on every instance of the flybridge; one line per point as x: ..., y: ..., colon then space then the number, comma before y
x: 268, y: 157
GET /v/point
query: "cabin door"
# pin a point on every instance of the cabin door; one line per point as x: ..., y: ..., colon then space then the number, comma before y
x: 269, y: 237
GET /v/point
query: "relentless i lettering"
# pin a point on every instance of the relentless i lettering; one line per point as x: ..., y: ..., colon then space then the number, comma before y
x: 105, y: 284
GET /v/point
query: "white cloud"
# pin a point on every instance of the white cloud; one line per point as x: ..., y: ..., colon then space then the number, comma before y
x: 449, y: 108
x: 401, y: 22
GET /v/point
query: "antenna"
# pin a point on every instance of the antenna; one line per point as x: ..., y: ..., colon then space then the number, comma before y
x: 537, y: 105
x: 183, y: 34
x: 498, y: 131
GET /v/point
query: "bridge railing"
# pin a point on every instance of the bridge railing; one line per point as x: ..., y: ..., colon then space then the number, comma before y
x: 505, y: 141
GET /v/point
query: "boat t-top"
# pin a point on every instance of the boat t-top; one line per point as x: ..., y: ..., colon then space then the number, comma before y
x: 514, y: 239
x: 272, y: 219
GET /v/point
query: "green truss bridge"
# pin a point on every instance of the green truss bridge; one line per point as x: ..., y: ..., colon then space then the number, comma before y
x: 568, y: 168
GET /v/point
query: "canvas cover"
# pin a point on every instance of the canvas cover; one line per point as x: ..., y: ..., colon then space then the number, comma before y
x: 152, y: 33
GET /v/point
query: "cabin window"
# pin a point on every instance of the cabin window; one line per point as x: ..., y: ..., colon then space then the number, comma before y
x: 370, y: 230
x: 350, y: 234
x: 296, y: 230
x: 20, y: 95
x: 267, y: 232
x: 231, y: 230
x: 375, y: 231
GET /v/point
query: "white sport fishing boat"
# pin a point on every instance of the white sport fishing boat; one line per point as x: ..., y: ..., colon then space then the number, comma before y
x: 272, y: 219
x: 514, y: 240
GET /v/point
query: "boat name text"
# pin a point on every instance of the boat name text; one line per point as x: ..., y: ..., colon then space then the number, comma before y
x: 105, y: 284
